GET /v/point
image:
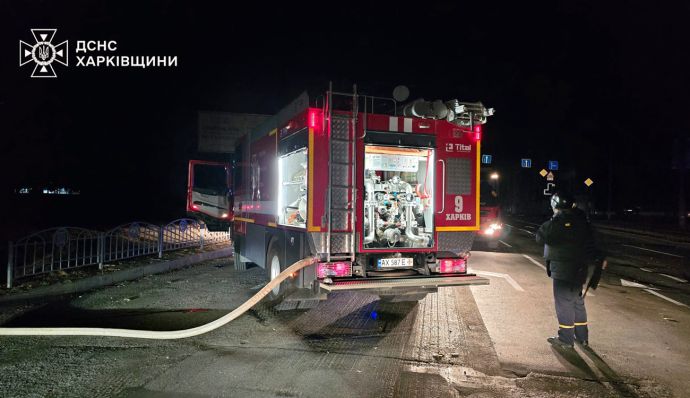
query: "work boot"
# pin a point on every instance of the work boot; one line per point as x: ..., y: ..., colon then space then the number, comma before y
x: 583, y: 343
x: 557, y: 342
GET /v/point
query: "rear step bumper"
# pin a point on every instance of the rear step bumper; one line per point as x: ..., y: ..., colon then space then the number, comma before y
x: 426, y: 284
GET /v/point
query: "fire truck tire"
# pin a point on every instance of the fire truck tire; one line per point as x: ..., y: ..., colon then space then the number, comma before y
x: 274, y: 266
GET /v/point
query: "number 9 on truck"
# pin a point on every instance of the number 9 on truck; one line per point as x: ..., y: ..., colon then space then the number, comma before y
x: 458, y: 204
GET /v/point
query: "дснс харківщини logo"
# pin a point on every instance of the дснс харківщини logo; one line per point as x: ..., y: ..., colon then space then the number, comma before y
x: 43, y: 53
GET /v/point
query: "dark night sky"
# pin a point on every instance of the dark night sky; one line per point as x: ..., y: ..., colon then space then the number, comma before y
x: 579, y: 82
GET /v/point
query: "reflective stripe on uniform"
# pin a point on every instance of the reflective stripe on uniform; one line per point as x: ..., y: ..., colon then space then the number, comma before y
x: 580, y: 323
x: 566, y: 326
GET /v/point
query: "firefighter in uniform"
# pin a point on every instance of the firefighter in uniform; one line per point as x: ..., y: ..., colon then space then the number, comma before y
x: 569, y: 250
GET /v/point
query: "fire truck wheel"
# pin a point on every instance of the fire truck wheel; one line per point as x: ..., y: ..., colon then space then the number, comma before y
x: 274, y: 266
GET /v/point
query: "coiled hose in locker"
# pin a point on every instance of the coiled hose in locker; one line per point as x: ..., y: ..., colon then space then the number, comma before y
x: 164, y: 335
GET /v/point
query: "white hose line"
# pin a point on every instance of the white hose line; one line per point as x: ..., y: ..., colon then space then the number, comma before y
x: 163, y: 335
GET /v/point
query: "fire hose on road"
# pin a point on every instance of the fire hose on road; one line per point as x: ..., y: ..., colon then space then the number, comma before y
x: 164, y: 335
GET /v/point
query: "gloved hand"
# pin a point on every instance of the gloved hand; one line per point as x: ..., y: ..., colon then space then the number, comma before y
x: 596, y: 276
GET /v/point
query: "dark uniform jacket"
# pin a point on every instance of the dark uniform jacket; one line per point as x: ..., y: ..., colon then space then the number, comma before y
x: 568, y: 245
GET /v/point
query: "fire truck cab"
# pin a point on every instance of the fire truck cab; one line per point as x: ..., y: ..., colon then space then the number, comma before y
x: 209, y: 193
x: 385, y: 195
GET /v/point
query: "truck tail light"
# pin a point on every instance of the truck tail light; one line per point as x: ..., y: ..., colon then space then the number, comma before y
x: 452, y: 265
x: 195, y: 207
x: 337, y: 269
x: 313, y: 118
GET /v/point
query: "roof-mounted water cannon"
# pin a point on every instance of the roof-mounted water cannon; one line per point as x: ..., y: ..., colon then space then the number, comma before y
x: 469, y: 113
x: 460, y: 113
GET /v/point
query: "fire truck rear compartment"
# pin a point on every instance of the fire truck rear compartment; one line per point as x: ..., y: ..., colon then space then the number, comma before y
x: 398, y: 197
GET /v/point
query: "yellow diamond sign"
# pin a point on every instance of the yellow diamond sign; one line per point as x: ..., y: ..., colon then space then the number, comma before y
x: 589, y: 182
x: 543, y: 173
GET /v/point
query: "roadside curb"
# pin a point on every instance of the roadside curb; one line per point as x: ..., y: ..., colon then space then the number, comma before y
x: 82, y: 285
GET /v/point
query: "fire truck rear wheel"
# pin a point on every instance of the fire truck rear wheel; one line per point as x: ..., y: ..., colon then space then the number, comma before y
x: 274, y: 266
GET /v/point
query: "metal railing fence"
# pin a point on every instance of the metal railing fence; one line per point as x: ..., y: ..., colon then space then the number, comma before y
x: 69, y: 247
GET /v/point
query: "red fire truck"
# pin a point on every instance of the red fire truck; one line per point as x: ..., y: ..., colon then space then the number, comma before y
x: 385, y: 195
x: 490, y: 224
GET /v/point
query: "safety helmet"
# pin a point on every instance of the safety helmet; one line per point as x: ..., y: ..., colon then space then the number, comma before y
x: 561, y: 200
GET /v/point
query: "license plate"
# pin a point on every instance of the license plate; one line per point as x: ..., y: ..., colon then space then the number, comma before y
x: 394, y: 262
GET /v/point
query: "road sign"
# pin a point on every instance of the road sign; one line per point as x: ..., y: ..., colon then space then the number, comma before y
x: 550, y: 176
x: 589, y: 182
x: 486, y: 159
x: 526, y: 163
x: 543, y: 173
x: 553, y: 165
x: 550, y: 187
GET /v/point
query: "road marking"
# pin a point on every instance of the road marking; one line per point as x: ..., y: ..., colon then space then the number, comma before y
x: 537, y: 263
x: 670, y: 300
x: 675, y: 278
x: 505, y: 243
x: 507, y: 277
x: 654, y: 251
x: 627, y: 283
x: 523, y: 230
x: 647, y: 270
x: 529, y: 226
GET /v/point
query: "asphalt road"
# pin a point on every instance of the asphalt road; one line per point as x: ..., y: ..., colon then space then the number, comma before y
x: 660, y: 264
x: 487, y: 341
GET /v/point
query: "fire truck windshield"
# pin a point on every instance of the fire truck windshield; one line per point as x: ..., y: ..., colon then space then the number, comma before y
x: 210, y: 179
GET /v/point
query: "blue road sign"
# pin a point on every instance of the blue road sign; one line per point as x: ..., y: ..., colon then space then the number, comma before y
x: 553, y: 165
x: 526, y: 163
x: 486, y: 159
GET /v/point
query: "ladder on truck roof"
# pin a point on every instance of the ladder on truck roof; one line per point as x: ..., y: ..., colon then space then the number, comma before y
x: 342, y: 195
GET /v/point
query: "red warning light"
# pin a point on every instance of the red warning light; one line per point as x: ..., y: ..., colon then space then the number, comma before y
x: 478, y: 132
x: 312, y: 118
